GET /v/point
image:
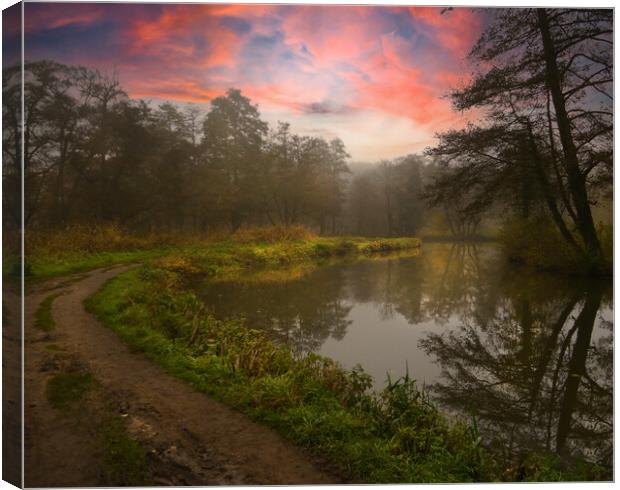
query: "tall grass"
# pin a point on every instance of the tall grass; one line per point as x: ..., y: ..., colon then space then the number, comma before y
x: 270, y: 234
x: 91, y: 239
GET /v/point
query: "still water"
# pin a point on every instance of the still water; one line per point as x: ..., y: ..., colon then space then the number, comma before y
x: 530, y: 355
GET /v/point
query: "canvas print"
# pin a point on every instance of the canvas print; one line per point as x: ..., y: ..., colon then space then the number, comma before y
x: 306, y: 244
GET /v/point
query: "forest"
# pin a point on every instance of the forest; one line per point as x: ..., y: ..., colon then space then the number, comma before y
x: 94, y: 155
x: 440, y: 316
x: 541, y: 157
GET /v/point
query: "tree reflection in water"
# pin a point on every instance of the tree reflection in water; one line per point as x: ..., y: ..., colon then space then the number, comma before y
x: 524, y: 360
x: 301, y: 313
x: 530, y: 355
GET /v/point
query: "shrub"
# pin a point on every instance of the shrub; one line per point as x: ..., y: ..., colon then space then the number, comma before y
x: 537, y: 242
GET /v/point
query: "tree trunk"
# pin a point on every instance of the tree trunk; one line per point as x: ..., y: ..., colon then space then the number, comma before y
x: 576, y: 180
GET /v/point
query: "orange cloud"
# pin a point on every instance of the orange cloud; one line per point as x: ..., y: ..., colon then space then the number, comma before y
x: 178, y: 90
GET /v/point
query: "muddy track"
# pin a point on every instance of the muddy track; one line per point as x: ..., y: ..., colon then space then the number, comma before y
x: 190, y: 438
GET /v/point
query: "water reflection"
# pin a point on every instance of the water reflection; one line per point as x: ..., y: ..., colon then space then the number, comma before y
x: 529, y: 354
x: 302, y: 313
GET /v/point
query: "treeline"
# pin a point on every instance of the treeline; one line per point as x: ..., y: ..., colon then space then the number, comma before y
x: 93, y: 155
x: 539, y: 155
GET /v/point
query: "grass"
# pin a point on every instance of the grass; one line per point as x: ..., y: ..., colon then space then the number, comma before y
x: 65, y: 389
x: 124, y: 460
x: 396, y: 436
x: 43, y: 316
x: 81, y: 248
x: 46, y: 267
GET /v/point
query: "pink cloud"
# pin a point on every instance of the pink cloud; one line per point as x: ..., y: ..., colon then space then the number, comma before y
x: 398, y: 61
x: 456, y: 29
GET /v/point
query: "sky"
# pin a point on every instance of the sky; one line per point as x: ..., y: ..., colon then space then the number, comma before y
x: 376, y: 77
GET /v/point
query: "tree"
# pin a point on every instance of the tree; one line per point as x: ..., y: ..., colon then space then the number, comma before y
x: 547, y: 98
x: 330, y: 197
x: 93, y: 155
x: 234, y: 135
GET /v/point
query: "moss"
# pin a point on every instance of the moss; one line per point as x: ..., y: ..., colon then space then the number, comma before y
x: 65, y: 389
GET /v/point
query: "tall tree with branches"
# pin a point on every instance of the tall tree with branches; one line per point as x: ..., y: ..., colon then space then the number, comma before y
x: 544, y: 82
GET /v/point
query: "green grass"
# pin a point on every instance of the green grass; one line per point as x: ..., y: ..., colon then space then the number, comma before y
x: 48, y: 266
x: 124, y: 460
x: 43, y: 316
x: 218, y: 256
x: 65, y: 389
x: 395, y: 436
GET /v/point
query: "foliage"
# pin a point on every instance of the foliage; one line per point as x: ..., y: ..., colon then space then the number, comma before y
x: 386, y: 199
x: 539, y: 244
x: 94, y: 155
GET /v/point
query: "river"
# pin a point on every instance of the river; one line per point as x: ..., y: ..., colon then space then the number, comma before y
x: 530, y: 355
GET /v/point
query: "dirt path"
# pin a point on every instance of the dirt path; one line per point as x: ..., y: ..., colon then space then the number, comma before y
x: 11, y: 386
x: 191, y: 439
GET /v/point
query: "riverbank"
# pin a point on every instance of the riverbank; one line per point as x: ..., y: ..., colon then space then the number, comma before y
x: 397, y: 435
x: 80, y: 249
x: 537, y: 244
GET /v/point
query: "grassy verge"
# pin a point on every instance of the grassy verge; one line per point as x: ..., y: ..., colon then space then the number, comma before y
x: 394, y: 436
x: 48, y: 266
x: 52, y: 253
x: 43, y: 316
x: 253, y: 248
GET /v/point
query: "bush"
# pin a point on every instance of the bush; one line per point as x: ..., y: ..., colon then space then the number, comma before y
x: 538, y: 243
